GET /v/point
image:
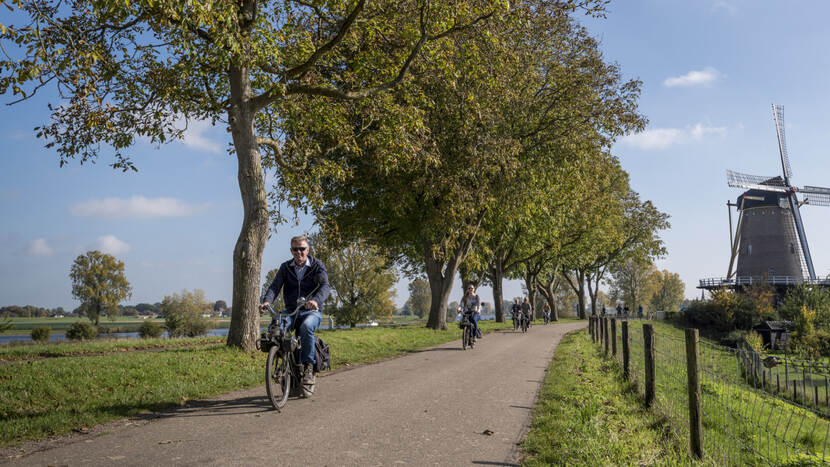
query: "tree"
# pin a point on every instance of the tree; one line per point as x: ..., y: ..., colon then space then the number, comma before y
x: 669, y: 291
x: 220, y: 306
x: 419, y: 297
x: 146, y: 69
x: 360, y: 277
x: 487, y: 115
x: 632, y: 282
x: 98, y: 281
x: 183, y: 314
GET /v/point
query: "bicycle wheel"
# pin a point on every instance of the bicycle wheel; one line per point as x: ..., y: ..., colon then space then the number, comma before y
x: 277, y: 378
x: 465, y: 337
x: 524, y: 325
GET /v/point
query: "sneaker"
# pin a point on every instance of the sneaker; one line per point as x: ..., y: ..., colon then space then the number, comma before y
x: 308, y: 381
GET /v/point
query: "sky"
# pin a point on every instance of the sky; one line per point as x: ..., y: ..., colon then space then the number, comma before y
x: 710, y: 70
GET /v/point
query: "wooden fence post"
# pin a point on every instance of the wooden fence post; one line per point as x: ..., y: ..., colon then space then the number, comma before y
x: 601, y: 321
x: 648, y: 349
x: 614, y: 337
x: 625, y: 350
x: 607, y: 337
x: 695, y: 414
x: 591, y: 327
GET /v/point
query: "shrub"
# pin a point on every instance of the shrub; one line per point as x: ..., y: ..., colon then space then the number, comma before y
x: 41, y: 333
x: 733, y: 339
x: 81, y: 331
x: 150, y: 329
x: 755, y: 341
x: 183, y: 314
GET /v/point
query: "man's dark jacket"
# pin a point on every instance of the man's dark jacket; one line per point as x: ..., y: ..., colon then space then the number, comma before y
x: 286, y: 280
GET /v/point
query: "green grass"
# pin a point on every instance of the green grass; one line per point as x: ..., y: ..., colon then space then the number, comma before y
x: 587, y: 416
x: 52, y: 396
x: 742, y: 425
x: 21, y: 351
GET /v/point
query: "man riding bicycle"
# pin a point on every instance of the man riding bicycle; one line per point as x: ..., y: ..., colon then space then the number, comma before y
x: 472, y: 304
x: 515, y: 309
x: 302, y: 276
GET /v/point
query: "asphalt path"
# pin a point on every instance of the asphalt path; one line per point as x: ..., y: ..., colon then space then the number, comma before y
x: 438, y: 406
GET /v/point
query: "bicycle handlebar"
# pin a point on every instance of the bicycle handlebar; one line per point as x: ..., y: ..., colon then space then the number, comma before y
x: 300, y: 304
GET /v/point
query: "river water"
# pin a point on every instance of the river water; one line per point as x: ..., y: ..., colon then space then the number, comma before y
x: 57, y: 337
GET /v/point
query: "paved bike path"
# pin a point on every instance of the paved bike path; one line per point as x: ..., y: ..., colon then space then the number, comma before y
x: 436, y: 406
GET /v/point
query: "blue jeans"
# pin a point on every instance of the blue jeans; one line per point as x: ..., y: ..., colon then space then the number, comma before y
x: 476, y: 317
x: 307, y: 322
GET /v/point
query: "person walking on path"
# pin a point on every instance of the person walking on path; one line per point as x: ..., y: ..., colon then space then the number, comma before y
x: 303, y: 276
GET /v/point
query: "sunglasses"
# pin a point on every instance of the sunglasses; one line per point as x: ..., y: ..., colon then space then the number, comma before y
x: 299, y: 248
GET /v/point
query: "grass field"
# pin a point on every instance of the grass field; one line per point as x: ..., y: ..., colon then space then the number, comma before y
x: 587, y: 416
x: 742, y: 425
x: 68, y: 390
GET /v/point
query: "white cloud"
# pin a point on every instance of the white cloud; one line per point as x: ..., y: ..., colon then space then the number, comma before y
x: 661, y: 138
x: 112, y: 245
x: 702, y: 77
x: 135, y: 207
x: 39, y: 247
x: 194, y: 137
x: 729, y: 8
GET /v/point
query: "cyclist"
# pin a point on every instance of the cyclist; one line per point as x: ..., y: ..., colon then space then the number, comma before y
x: 470, y: 302
x: 546, y: 311
x: 302, y: 276
x: 527, y: 310
x: 515, y: 309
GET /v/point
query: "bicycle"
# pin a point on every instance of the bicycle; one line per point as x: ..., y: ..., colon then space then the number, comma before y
x: 525, y: 322
x: 466, y: 325
x: 283, y: 369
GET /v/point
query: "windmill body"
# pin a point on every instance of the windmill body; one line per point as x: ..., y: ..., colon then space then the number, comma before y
x: 770, y: 243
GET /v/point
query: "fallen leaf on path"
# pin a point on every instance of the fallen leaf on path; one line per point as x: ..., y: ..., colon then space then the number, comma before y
x: 487, y: 432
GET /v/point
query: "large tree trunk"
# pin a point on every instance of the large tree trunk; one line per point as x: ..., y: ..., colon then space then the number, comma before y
x: 592, y: 294
x: 497, y: 276
x: 548, y: 290
x: 580, y: 294
x: 247, y: 255
x: 440, y: 284
x: 578, y: 286
x: 530, y: 284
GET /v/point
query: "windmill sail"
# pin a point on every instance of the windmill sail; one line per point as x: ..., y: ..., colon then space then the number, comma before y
x: 755, y: 182
x: 778, y: 115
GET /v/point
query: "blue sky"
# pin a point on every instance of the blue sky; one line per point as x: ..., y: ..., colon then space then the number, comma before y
x: 710, y: 69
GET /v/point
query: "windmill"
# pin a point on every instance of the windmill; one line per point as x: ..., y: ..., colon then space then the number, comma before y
x: 770, y: 239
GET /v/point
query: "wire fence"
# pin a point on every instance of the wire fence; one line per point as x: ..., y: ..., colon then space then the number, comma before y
x: 754, y: 409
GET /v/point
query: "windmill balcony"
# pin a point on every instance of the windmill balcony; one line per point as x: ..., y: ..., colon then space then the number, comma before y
x: 718, y: 282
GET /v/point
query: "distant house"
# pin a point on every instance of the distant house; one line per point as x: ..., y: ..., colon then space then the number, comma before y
x: 775, y: 333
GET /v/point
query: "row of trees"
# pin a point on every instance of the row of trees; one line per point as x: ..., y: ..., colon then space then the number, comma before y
x: 465, y: 137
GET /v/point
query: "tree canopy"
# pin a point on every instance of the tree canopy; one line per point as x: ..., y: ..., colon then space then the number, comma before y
x: 98, y: 281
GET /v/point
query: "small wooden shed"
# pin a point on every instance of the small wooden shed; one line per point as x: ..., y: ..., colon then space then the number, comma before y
x: 775, y: 333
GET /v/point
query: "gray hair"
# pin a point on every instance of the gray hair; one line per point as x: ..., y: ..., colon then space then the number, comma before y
x: 299, y: 239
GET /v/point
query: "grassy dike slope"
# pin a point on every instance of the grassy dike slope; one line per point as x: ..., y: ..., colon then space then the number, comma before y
x: 53, y: 396
x: 587, y: 416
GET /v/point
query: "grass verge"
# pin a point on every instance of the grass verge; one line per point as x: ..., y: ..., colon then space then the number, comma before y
x: 53, y: 396
x: 587, y: 415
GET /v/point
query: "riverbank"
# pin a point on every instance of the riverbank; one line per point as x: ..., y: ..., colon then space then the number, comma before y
x: 56, y: 395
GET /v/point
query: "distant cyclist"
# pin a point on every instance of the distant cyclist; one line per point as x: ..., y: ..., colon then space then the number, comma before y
x: 470, y: 303
x: 515, y: 309
x: 527, y: 310
x: 302, y: 276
